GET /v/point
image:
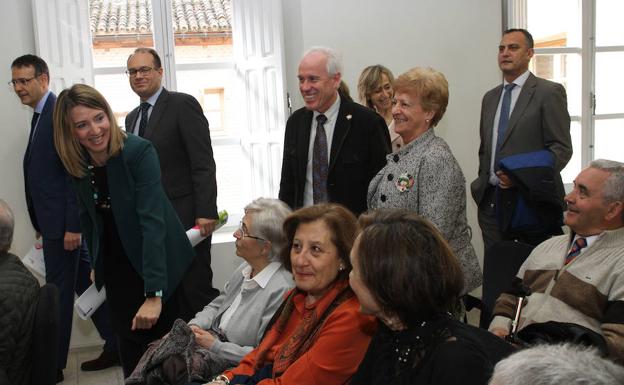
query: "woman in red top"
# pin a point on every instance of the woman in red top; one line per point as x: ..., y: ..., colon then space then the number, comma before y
x: 318, y: 335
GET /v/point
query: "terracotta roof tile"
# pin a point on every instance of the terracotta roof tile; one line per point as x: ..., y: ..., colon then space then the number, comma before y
x: 123, y: 17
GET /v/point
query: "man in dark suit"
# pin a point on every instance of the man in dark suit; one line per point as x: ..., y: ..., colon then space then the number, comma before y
x: 175, y: 123
x: 53, y: 211
x: 332, y: 147
x: 523, y: 115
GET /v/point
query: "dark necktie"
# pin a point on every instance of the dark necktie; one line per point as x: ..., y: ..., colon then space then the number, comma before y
x: 143, y: 124
x: 578, y: 245
x: 33, y: 125
x: 503, y: 121
x: 319, y: 162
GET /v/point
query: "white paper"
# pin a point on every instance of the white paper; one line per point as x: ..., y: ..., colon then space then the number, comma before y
x: 90, y: 301
x: 34, y: 259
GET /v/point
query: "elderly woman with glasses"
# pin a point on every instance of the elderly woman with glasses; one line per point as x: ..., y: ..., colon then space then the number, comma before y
x: 405, y: 274
x: 232, y: 324
x: 317, y: 336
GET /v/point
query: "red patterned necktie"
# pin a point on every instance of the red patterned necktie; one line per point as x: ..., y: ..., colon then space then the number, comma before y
x: 578, y: 245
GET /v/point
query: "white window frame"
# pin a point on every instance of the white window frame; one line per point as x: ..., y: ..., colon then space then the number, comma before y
x: 63, y: 38
x: 515, y: 15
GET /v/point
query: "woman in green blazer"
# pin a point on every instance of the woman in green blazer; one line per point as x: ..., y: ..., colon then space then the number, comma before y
x: 138, y: 247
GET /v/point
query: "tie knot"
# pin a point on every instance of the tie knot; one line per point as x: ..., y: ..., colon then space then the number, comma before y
x: 509, y: 87
x: 580, y: 242
x: 145, y: 106
x: 321, y: 119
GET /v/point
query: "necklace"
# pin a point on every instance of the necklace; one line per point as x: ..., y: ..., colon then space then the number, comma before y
x: 102, y: 200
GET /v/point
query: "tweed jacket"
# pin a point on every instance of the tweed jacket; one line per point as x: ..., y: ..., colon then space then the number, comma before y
x: 424, y: 176
x: 246, y: 327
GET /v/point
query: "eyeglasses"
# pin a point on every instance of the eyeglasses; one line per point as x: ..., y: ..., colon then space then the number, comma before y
x: 21, y: 81
x: 242, y: 229
x: 142, y: 70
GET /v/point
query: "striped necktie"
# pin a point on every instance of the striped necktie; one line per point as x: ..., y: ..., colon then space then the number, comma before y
x: 578, y: 245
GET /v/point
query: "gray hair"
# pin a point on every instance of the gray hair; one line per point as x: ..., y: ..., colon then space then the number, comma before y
x: 7, y: 224
x: 562, y: 364
x: 613, y: 190
x: 268, y: 216
x: 334, y: 58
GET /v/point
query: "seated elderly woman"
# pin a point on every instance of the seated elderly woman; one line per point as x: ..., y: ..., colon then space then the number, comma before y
x: 317, y: 336
x: 405, y: 274
x: 375, y: 91
x: 424, y: 176
x: 233, y: 323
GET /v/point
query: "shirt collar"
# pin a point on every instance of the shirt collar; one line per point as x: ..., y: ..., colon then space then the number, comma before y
x: 264, y: 276
x: 332, y: 112
x: 520, y: 80
x: 152, y: 99
x: 42, y: 102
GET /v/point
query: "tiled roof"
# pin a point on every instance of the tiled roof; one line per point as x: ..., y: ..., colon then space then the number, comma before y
x: 129, y: 17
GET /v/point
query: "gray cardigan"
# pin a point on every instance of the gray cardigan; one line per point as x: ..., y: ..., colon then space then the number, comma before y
x: 248, y: 322
x: 424, y: 176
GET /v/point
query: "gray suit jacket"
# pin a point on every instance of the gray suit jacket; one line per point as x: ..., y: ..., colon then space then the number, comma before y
x: 179, y: 130
x: 539, y: 120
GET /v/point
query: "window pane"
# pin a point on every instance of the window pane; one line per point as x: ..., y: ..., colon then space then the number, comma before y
x: 562, y: 30
x: 573, y: 167
x: 199, y: 83
x: 116, y: 89
x: 202, y: 31
x: 564, y: 69
x: 609, y: 82
x: 233, y: 176
x: 608, y: 139
x: 117, y: 28
x: 609, y: 26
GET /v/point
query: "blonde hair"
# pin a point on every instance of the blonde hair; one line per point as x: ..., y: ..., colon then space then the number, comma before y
x: 431, y: 88
x: 72, y: 154
x: 369, y: 81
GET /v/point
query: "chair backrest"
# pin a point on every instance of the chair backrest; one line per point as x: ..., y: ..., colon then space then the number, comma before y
x: 45, y: 338
x: 501, y: 263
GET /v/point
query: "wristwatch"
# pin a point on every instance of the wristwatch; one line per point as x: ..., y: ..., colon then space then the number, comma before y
x: 152, y: 294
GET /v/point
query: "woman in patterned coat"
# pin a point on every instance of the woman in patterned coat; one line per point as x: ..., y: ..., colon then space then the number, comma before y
x: 423, y: 176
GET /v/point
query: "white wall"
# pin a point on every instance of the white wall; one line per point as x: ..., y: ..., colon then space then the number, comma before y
x: 459, y: 38
x: 18, y: 39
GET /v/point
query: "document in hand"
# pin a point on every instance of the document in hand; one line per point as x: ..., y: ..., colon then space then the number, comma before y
x: 91, y: 299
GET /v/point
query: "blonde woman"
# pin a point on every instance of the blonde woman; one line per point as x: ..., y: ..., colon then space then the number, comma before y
x: 138, y: 247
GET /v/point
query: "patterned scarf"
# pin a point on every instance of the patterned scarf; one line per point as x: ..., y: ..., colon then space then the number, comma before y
x: 306, y: 332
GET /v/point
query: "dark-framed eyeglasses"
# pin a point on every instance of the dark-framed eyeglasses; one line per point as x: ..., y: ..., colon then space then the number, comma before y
x: 141, y: 70
x: 242, y: 230
x: 22, y: 81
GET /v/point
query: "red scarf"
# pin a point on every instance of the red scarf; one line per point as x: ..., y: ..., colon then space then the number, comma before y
x: 306, y: 332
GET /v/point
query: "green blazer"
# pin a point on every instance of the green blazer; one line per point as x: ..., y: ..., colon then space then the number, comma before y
x: 150, y: 231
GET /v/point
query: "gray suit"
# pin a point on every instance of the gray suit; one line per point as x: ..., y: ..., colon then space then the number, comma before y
x: 539, y: 120
x: 179, y: 131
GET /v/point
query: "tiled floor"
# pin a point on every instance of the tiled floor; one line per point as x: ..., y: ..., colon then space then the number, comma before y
x: 75, y: 376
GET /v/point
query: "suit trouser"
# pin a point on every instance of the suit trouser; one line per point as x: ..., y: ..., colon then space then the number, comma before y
x: 196, y: 286
x: 68, y: 269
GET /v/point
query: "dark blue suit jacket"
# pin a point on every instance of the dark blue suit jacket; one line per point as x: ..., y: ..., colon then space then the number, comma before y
x: 50, y: 198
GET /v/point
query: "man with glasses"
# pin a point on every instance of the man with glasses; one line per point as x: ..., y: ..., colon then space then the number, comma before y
x: 53, y: 211
x: 175, y: 123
